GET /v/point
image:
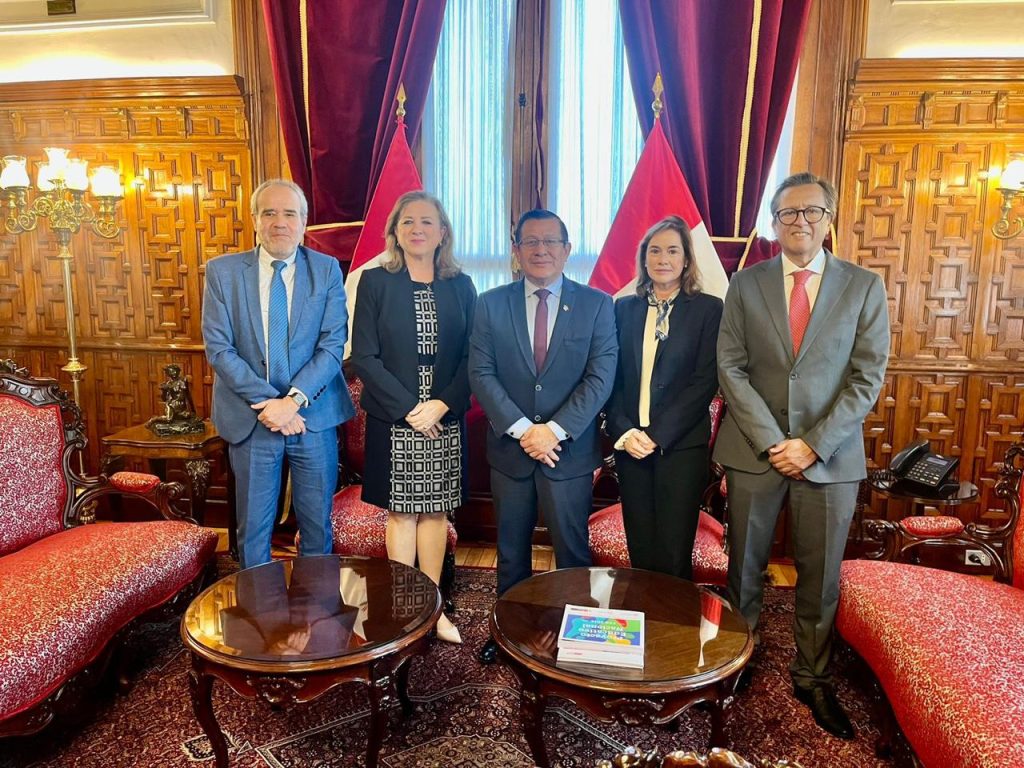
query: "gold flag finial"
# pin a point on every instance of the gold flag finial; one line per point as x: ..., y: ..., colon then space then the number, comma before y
x: 401, y: 101
x: 658, y: 89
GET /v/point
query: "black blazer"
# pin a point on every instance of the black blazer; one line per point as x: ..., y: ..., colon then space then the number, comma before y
x: 384, y: 343
x: 685, y: 376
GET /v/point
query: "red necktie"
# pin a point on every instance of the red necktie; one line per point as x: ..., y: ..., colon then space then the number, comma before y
x: 799, y: 308
x: 540, y: 328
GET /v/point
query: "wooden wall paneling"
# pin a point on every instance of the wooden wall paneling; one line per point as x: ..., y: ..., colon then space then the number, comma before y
x: 138, y: 296
x: 921, y: 137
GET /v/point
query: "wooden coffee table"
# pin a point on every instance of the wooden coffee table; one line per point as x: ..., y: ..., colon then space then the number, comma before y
x: 289, y: 631
x: 697, y: 644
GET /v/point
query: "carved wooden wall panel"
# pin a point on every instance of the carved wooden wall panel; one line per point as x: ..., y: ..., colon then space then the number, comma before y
x: 182, y: 147
x: 916, y: 208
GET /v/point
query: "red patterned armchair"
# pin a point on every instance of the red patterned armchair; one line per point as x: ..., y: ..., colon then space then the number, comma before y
x: 358, y: 528
x: 947, y: 649
x: 72, y: 592
x: 710, y: 560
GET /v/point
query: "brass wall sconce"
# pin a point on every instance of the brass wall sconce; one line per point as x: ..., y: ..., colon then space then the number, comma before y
x: 1011, y: 186
x: 60, y: 198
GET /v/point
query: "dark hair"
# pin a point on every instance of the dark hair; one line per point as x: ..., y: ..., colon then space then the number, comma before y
x: 444, y: 255
x: 690, y: 280
x: 538, y: 214
x: 802, y: 179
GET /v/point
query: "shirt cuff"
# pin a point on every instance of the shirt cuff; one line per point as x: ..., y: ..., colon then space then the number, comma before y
x: 560, y: 433
x: 620, y: 444
x: 296, y: 390
x: 517, y: 430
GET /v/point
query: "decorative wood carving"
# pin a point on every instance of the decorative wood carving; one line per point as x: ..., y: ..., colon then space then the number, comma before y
x: 915, y: 207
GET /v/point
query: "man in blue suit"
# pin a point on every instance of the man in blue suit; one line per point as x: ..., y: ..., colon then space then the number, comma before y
x: 275, y: 326
x: 542, y: 363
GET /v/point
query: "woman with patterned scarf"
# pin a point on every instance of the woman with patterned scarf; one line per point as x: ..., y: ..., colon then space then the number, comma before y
x: 658, y: 412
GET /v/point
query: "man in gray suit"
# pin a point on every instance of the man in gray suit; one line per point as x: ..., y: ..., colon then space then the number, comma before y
x: 275, y: 325
x: 802, y: 351
x: 542, y: 363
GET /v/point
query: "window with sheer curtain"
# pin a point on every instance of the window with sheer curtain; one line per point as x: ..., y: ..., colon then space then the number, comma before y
x: 466, y: 134
x: 779, y: 170
x: 594, y: 136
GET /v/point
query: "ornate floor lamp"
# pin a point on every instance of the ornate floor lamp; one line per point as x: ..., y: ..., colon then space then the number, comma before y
x: 59, y: 198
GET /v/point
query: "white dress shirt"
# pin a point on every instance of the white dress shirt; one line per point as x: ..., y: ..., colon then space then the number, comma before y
x: 813, y: 284
x: 266, y: 276
x: 554, y: 298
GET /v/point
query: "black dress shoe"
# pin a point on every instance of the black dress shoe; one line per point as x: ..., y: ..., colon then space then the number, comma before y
x: 827, y: 711
x: 488, y: 654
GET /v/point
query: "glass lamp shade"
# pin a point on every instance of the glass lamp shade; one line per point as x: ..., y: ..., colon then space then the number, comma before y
x: 76, y: 176
x: 44, y: 179
x: 57, y: 159
x: 14, y: 174
x: 1013, y: 176
x: 106, y: 183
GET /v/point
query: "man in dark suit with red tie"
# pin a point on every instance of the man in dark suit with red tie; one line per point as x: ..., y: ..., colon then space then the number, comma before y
x: 542, y: 364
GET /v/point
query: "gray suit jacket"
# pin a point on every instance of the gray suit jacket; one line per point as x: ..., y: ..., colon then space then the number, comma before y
x: 821, y: 396
x: 570, y: 389
x: 233, y: 332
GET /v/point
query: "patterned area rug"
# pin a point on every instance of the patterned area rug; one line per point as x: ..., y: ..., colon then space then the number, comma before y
x: 466, y: 715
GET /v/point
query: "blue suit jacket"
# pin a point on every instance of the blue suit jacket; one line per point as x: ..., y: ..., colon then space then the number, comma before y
x: 571, y: 389
x: 233, y: 332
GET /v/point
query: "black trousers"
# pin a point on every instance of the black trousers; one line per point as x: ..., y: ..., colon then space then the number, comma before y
x: 661, y: 507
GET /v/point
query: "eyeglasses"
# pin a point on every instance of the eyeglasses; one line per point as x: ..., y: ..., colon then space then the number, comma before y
x: 812, y: 214
x: 533, y: 242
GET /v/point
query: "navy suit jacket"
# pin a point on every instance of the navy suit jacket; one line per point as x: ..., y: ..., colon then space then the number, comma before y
x: 233, y: 332
x: 685, y: 375
x: 570, y: 389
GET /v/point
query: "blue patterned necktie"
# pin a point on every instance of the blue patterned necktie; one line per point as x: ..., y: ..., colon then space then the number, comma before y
x: 277, y: 331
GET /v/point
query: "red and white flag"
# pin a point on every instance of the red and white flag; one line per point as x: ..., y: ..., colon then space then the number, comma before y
x: 656, y: 190
x: 398, y: 176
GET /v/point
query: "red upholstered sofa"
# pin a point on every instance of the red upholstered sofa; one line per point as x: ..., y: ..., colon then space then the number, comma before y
x: 946, y: 648
x: 72, y: 590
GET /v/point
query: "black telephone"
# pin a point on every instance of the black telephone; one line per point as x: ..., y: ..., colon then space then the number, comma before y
x: 916, y: 464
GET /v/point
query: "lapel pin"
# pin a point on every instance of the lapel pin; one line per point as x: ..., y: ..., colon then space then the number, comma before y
x: 565, y: 307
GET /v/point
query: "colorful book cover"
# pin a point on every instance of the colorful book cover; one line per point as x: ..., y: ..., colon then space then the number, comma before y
x: 605, y: 629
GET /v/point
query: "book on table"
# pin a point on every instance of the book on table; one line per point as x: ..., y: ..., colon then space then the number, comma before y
x: 601, y: 636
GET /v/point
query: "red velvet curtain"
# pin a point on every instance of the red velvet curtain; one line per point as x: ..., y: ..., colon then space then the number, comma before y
x: 703, y: 49
x: 349, y: 56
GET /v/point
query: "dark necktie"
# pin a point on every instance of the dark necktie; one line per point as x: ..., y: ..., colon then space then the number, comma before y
x: 540, y: 328
x: 799, y: 308
x: 277, y: 331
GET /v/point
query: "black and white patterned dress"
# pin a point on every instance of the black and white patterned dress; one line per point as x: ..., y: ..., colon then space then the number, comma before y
x: 424, y: 474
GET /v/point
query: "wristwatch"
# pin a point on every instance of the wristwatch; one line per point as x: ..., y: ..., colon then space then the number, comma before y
x: 299, y: 399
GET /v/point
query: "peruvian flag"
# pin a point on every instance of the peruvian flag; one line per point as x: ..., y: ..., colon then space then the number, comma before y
x: 398, y: 176
x: 656, y: 190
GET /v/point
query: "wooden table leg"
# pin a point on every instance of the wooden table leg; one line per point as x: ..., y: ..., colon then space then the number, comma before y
x: 381, y: 698
x: 723, y: 698
x: 198, y: 471
x: 201, y: 687
x: 403, y: 687
x: 531, y: 711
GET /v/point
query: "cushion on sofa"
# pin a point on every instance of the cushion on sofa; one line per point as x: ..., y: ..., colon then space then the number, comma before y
x: 358, y: 528
x: 608, y: 545
x: 72, y: 591
x: 933, y: 525
x: 948, y: 649
x: 33, y: 492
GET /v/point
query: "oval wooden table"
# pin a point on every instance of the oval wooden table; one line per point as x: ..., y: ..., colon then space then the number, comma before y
x: 696, y: 646
x: 291, y: 630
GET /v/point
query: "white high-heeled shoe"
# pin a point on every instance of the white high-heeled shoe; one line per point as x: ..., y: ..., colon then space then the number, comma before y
x: 447, y: 631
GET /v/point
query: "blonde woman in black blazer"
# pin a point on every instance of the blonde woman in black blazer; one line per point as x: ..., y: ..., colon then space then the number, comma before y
x: 658, y: 412
x: 410, y: 345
